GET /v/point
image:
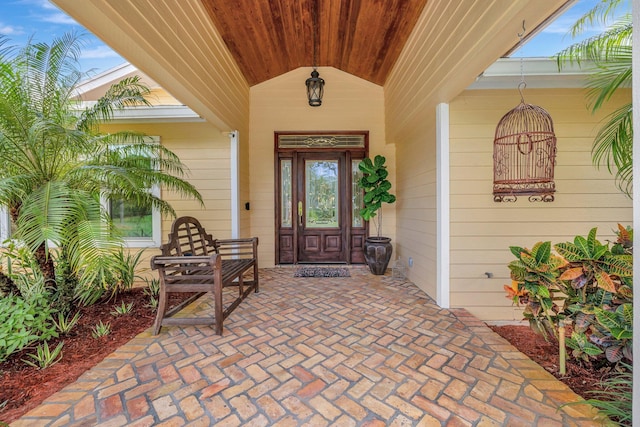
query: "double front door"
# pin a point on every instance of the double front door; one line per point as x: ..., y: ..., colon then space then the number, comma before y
x: 317, y: 207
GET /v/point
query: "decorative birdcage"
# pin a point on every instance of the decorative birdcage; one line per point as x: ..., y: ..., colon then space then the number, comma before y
x: 524, y: 151
x: 524, y: 155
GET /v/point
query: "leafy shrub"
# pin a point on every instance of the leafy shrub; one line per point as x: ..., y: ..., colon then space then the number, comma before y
x: 44, y: 357
x: 122, y: 309
x: 66, y: 283
x: 23, y: 322
x: 152, y: 291
x: 119, y: 278
x: 23, y: 270
x: 585, y: 285
x: 89, y: 292
x: 615, y: 400
x: 125, y: 273
x: 66, y: 323
x: 101, y: 330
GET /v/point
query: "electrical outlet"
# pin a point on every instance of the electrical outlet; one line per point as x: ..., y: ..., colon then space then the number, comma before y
x: 410, y: 262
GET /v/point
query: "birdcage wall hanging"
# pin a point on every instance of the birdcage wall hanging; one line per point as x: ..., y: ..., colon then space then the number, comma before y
x: 524, y: 152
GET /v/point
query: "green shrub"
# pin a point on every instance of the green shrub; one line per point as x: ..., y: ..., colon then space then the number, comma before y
x: 122, y: 309
x: 66, y: 323
x: 23, y: 322
x: 614, y: 399
x: 125, y: 273
x: 101, y: 330
x: 152, y: 291
x: 587, y: 286
x: 119, y: 279
x: 44, y: 357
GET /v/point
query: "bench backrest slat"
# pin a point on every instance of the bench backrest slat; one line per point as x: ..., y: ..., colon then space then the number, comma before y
x: 188, y: 238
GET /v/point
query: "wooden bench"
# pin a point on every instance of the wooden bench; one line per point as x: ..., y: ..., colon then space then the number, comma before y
x: 193, y: 261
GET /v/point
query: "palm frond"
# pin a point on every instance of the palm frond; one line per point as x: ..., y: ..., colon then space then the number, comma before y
x: 129, y: 92
x: 609, y: 58
x: 91, y: 248
x: 601, y: 13
x: 613, y: 146
x: 45, y: 215
x: 50, y: 72
x: 599, y: 48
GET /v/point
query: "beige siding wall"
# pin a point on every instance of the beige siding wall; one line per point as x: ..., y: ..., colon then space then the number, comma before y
x: 416, y: 204
x: 205, y: 152
x: 482, y: 230
x: 452, y: 43
x: 281, y: 104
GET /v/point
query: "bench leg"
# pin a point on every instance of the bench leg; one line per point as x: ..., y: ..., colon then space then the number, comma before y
x: 161, y: 310
x: 255, y: 276
x: 217, y: 301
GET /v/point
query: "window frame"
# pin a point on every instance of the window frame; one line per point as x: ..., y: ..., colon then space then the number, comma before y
x: 5, y: 226
x: 156, y: 218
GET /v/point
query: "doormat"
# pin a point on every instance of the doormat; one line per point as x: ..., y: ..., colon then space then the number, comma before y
x: 321, y: 272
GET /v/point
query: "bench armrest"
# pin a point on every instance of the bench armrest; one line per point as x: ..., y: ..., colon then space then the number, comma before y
x: 237, y: 248
x: 159, y: 261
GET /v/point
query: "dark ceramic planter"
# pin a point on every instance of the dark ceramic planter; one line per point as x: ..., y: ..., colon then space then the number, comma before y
x: 377, y: 253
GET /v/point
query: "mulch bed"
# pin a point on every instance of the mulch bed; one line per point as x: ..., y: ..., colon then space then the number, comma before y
x: 581, y: 378
x: 23, y: 387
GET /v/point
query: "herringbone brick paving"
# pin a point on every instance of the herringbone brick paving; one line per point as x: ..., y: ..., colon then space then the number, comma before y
x: 360, y: 351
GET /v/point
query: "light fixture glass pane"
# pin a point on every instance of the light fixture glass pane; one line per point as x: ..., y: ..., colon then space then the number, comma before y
x: 285, y: 192
x: 322, y: 195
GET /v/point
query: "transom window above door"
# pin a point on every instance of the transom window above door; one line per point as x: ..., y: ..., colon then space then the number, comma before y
x: 299, y: 141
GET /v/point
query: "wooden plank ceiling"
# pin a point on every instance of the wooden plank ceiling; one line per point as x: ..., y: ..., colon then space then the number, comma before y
x: 271, y: 37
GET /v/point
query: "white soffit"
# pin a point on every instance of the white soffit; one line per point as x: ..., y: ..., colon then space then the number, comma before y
x: 152, y: 114
x: 157, y: 113
x: 540, y: 73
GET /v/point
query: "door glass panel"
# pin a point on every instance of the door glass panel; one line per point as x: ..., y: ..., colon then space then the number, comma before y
x: 357, y: 201
x: 321, y: 188
x: 285, y: 191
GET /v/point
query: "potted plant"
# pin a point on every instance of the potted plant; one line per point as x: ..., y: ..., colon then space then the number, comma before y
x: 377, y: 249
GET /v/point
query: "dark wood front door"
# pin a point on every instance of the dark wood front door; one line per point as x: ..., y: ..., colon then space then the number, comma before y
x: 316, y: 206
x: 321, y: 207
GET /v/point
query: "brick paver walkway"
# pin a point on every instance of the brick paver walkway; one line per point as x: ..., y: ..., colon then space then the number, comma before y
x: 360, y: 351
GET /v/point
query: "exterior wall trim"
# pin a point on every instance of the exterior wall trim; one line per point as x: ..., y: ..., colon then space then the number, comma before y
x: 234, y: 161
x: 443, y: 246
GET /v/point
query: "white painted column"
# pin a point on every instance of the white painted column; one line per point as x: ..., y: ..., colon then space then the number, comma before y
x: 442, y: 206
x: 234, y: 160
x: 636, y: 208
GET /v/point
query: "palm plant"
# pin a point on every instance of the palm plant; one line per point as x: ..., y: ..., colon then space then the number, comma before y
x: 56, y: 165
x: 610, y: 54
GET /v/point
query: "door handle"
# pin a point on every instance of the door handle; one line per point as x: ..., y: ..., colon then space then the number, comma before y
x: 300, y: 212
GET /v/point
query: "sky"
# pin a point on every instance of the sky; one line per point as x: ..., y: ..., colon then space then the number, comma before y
x: 40, y: 19
x: 556, y: 36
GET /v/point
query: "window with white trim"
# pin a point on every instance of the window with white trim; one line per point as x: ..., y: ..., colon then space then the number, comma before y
x: 138, y: 225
